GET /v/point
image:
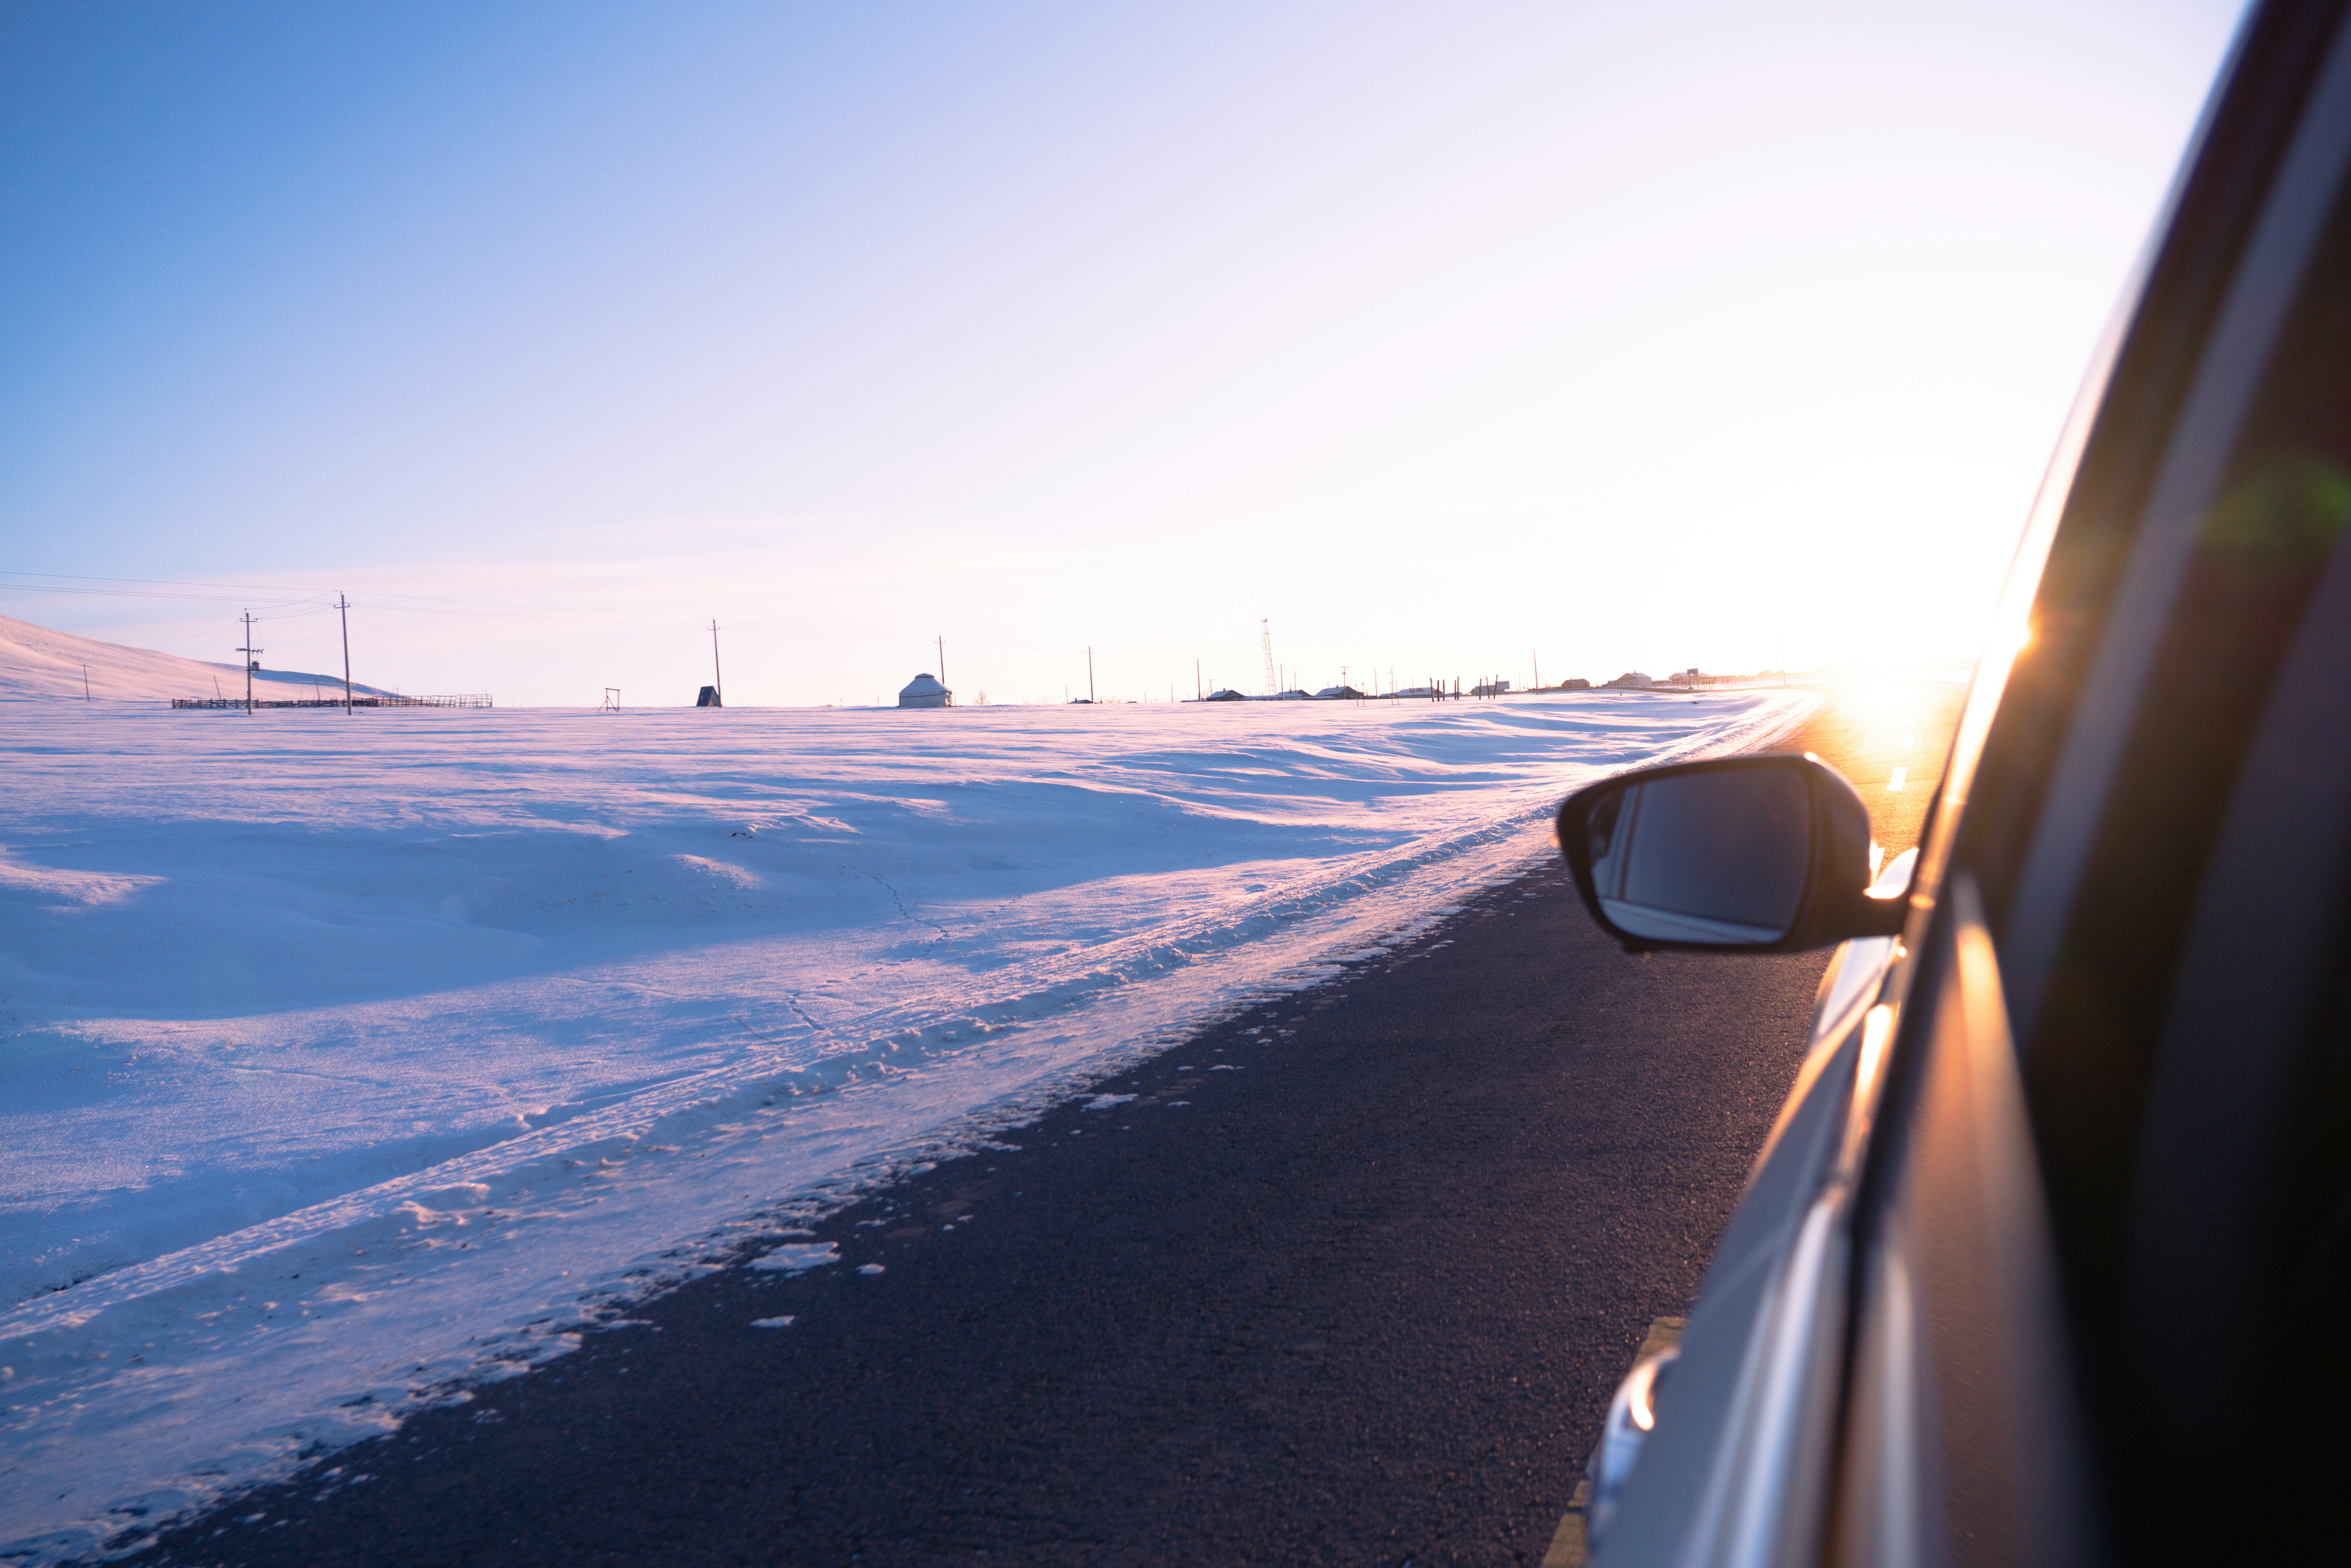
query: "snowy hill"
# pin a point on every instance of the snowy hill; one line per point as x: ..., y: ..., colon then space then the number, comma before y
x: 38, y: 665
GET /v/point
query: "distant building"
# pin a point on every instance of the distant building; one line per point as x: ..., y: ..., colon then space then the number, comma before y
x: 1334, y: 694
x: 925, y: 691
x: 1633, y: 678
x: 1578, y: 685
x: 1226, y: 696
x: 1490, y: 689
x: 709, y: 698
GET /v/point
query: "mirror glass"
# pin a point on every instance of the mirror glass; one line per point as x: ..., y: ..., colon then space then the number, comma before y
x: 1704, y: 857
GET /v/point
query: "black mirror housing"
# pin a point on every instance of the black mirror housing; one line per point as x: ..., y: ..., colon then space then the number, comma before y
x: 1765, y: 853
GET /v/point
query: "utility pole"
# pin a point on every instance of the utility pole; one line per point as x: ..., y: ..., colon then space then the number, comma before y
x: 1265, y: 628
x: 717, y: 681
x: 943, y: 664
x: 1089, y: 675
x: 251, y: 654
x: 1198, y: 689
x: 1538, y: 659
x: 343, y: 607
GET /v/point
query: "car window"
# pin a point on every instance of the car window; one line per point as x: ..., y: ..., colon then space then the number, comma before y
x: 2236, y: 1237
x: 2143, y: 397
x: 2180, y: 1016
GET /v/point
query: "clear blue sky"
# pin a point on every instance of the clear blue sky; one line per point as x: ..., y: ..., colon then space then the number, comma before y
x: 1441, y: 335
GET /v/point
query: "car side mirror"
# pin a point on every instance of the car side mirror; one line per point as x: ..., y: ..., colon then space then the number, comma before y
x: 1755, y: 855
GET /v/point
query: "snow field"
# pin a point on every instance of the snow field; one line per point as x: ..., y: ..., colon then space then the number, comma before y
x: 344, y: 1061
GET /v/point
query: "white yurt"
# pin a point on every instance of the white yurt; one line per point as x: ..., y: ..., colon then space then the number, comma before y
x: 925, y: 692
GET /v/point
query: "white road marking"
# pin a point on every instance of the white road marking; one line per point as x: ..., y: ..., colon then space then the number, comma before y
x: 1900, y: 775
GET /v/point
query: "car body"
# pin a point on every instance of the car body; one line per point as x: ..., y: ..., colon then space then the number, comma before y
x: 2048, y: 1257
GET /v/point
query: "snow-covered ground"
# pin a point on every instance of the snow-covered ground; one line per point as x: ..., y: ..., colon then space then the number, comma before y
x: 347, y: 1058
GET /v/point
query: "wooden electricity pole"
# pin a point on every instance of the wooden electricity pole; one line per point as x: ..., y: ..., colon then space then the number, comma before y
x: 1089, y: 675
x: 343, y: 607
x: 717, y: 681
x: 251, y: 653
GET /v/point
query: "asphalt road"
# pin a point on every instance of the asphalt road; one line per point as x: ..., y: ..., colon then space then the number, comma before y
x: 1349, y: 1281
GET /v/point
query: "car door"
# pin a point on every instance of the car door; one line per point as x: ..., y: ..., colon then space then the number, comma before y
x: 2096, y: 1194
x: 2011, y: 1284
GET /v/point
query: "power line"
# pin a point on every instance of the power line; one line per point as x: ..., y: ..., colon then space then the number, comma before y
x: 25, y: 589
x: 423, y: 604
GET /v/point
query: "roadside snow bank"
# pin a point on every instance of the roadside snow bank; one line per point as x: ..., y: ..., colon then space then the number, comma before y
x: 344, y: 1061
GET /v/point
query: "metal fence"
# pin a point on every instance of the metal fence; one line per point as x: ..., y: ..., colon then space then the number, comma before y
x: 460, y: 699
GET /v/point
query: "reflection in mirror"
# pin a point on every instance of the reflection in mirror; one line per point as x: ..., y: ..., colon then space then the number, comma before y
x: 1704, y: 857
